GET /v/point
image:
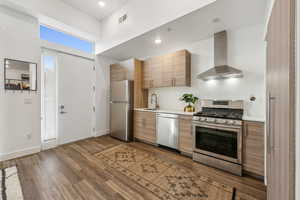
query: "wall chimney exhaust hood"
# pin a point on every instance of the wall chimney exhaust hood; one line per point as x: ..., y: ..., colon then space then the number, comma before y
x: 221, y: 70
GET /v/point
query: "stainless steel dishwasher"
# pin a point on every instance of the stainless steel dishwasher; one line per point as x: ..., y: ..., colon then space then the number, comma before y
x: 167, y: 126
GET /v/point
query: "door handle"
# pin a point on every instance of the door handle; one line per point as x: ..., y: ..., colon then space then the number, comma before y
x: 62, y: 107
x: 270, y: 136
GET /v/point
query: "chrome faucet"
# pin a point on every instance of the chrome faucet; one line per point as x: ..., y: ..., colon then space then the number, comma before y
x: 154, y: 100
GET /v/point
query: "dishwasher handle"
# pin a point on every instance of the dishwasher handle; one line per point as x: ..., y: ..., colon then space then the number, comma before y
x: 165, y: 115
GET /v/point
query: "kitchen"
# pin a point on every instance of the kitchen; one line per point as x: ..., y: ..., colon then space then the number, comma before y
x: 173, y: 100
x: 222, y: 79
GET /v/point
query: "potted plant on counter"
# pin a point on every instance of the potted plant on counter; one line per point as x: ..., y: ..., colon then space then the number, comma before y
x: 190, y: 100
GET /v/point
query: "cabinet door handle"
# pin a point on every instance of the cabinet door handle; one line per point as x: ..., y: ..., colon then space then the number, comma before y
x: 270, y: 136
x: 174, y: 83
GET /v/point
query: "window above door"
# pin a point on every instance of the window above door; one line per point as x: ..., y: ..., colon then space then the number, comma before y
x: 55, y: 36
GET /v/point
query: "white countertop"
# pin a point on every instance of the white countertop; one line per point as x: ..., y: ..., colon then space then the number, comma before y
x: 178, y: 112
x: 254, y: 119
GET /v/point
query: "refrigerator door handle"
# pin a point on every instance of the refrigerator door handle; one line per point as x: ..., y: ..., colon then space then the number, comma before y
x: 112, y: 102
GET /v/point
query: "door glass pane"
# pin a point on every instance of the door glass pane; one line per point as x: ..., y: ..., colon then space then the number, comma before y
x: 217, y: 141
x: 49, y: 63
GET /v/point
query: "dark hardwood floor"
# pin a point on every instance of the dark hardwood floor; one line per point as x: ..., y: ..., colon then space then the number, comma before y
x: 74, y: 172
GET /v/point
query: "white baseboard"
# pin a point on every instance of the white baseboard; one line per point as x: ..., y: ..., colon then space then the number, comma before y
x: 20, y: 153
x: 49, y: 145
x: 102, y: 132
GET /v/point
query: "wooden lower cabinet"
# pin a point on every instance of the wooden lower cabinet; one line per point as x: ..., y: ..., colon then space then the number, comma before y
x: 254, y: 148
x: 145, y: 126
x: 185, y: 135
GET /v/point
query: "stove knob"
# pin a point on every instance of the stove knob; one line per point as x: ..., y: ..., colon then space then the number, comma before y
x: 230, y: 122
x: 221, y: 121
x: 210, y: 120
x: 239, y: 123
x: 203, y: 119
x: 196, y: 118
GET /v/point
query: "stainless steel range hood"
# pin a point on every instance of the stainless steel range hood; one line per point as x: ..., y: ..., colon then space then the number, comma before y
x: 221, y: 70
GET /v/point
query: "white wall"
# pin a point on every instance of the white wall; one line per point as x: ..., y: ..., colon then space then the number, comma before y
x: 57, y: 14
x: 246, y: 52
x: 143, y: 16
x: 20, y: 111
x: 102, y: 94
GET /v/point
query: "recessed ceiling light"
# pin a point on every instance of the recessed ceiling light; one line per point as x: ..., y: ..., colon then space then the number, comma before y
x: 101, y: 3
x: 158, y: 41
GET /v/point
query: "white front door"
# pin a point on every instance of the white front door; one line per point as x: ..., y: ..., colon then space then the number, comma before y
x: 75, y: 98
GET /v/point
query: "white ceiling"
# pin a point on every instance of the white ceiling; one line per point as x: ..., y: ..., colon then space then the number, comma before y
x: 92, y: 8
x: 193, y: 27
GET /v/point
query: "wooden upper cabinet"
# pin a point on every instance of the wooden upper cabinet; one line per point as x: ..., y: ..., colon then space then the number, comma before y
x: 182, y: 68
x: 147, y: 75
x: 168, y: 71
x: 156, y: 65
x: 117, y: 73
x: 254, y: 148
x: 140, y: 95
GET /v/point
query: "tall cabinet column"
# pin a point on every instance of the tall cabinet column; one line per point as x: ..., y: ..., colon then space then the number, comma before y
x: 281, y: 101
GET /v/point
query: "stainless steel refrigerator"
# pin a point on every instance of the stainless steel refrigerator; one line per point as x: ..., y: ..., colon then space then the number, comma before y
x: 121, y: 110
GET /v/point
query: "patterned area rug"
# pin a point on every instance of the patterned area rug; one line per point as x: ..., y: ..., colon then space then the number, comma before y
x: 10, y: 188
x: 166, y: 180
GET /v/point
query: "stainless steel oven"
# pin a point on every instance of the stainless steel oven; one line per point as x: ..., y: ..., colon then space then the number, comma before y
x: 218, y: 135
x: 218, y: 141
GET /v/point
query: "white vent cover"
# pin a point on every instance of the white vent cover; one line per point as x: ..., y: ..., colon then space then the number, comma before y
x: 123, y: 19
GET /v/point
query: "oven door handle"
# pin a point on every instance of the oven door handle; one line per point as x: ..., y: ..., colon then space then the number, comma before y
x: 217, y: 126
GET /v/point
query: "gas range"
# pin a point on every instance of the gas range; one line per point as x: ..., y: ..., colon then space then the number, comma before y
x: 217, y: 132
x: 221, y: 112
x: 218, y: 121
